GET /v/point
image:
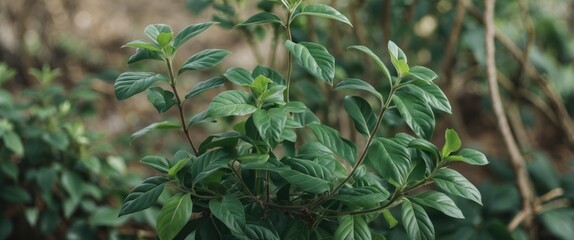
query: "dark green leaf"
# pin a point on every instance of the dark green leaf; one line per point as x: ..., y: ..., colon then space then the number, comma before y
x: 15, y: 194
x: 161, y: 99
x: 433, y: 95
x: 270, y: 124
x: 231, y: 103
x: 367, y: 196
x: 314, y: 58
x: 132, y: 83
x: 424, y: 145
x: 321, y: 10
x: 310, y: 168
x: 199, y: 118
x: 303, y: 181
x: 239, y: 76
x: 10, y: 170
x: 154, y: 126
x: 306, y: 118
x: 73, y: 184
x: 144, y: 54
x: 398, y: 58
x: 358, y: 84
x: 189, y: 32
x: 173, y: 216
x: 360, y: 111
x: 257, y: 232
x: 13, y: 142
x: 560, y: 222
x: 422, y: 73
x: 141, y: 44
x: 352, y: 228
x: 373, y: 56
x: 438, y: 201
x: 260, y: 18
x: 271, y: 73
x: 144, y: 195
x: 205, y: 59
x: 452, y: 143
x: 208, y: 163
x: 295, y: 107
x: 417, y: 222
x: 260, y: 84
x: 158, y: 163
x: 331, y: 139
x: 205, y: 85
x: 154, y: 30
x: 389, y: 159
x: 417, y: 114
x: 454, y: 183
x: 230, y: 211
x: 473, y: 157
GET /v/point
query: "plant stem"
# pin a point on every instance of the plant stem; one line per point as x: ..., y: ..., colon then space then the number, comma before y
x: 179, y: 105
x: 289, y: 58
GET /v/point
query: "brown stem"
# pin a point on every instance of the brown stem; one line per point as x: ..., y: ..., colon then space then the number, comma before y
x: 517, y: 161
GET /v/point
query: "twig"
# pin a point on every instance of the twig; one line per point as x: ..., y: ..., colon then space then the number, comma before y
x: 518, y: 163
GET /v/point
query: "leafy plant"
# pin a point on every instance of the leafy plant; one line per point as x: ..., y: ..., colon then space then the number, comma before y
x: 280, y: 173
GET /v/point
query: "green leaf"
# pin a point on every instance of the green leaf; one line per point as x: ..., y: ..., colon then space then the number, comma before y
x: 417, y: 114
x: 352, y: 228
x: 230, y: 211
x: 164, y: 38
x: 161, y: 99
x: 391, y: 220
x: 73, y: 184
x: 310, y: 168
x: 454, y: 183
x: 473, y: 157
x: 389, y: 159
x: 270, y: 124
x: 424, y: 145
x: 274, y: 95
x: 433, y: 95
x: 205, y: 85
x: 367, y: 196
x: 399, y: 59
x: 260, y: 84
x: 172, y: 172
x: 559, y: 222
x: 10, y: 170
x: 416, y: 221
x: 199, y: 118
x: 271, y: 73
x: 422, y: 73
x: 173, y: 216
x: 253, y: 158
x: 239, y: 76
x: 154, y: 30
x: 373, y: 56
x: 132, y: 83
x: 440, y: 202
x: 314, y: 58
x: 205, y: 59
x: 231, y: 103
x: 209, y: 163
x: 158, y: 163
x: 154, y: 126
x: 452, y: 143
x: 144, y: 54
x: 144, y: 195
x: 141, y: 44
x: 303, y: 181
x: 358, y: 84
x: 15, y: 194
x: 106, y: 216
x: 257, y: 232
x: 321, y: 10
x: 189, y: 32
x: 331, y: 139
x: 295, y: 107
x: 261, y: 18
x: 14, y: 143
x: 360, y: 111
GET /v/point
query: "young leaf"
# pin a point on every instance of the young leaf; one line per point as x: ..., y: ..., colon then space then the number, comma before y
x: 179, y: 165
x: 239, y: 76
x: 314, y: 58
x: 144, y: 54
x: 321, y: 10
x: 432, y: 94
x: 132, y: 83
x: 158, y: 163
x: 164, y: 38
x: 173, y: 216
x: 154, y: 30
x: 205, y: 85
x: 352, y: 228
x: 205, y: 59
x: 389, y: 159
x: 422, y: 73
x: 452, y: 143
x: 230, y: 211
x: 373, y: 56
x: 361, y: 113
x: 358, y: 84
x: 261, y: 18
x: 270, y: 124
x: 271, y: 73
x: 143, y: 195
x: 189, y: 32
x: 154, y: 126
x: 231, y: 103
x: 331, y: 139
x: 260, y: 84
x: 141, y: 44
x: 454, y: 183
x: 161, y: 99
x: 416, y: 221
x: 473, y: 157
x: 398, y: 58
x: 438, y: 201
x: 417, y: 114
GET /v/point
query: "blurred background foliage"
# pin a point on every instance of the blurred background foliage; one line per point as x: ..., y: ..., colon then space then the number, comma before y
x: 72, y: 163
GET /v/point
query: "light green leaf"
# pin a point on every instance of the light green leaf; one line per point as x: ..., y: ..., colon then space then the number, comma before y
x: 144, y: 54
x: 295, y: 107
x: 205, y: 85
x: 205, y: 59
x: 314, y: 58
x: 161, y: 99
x: 158, y: 163
x: 132, y: 83
x: 454, y: 183
x: 352, y: 228
x: 261, y: 18
x: 473, y: 157
x: 239, y: 76
x: 331, y: 139
x: 373, y: 56
x: 164, y: 38
x: 270, y: 124
x: 416, y: 221
x: 179, y: 165
x: 398, y: 58
x: 173, y: 216
x: 274, y: 95
x: 13, y: 142
x: 189, y: 32
x: 154, y: 126
x: 440, y: 202
x: 360, y: 111
x: 452, y: 143
x: 432, y: 94
x: 417, y: 114
x: 260, y: 84
x: 144, y: 195
x: 391, y: 220
x: 142, y: 44
x: 321, y: 10
x: 358, y: 84
x: 422, y: 73
x: 230, y: 211
x: 154, y: 30
x: 389, y: 159
x: 231, y: 103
